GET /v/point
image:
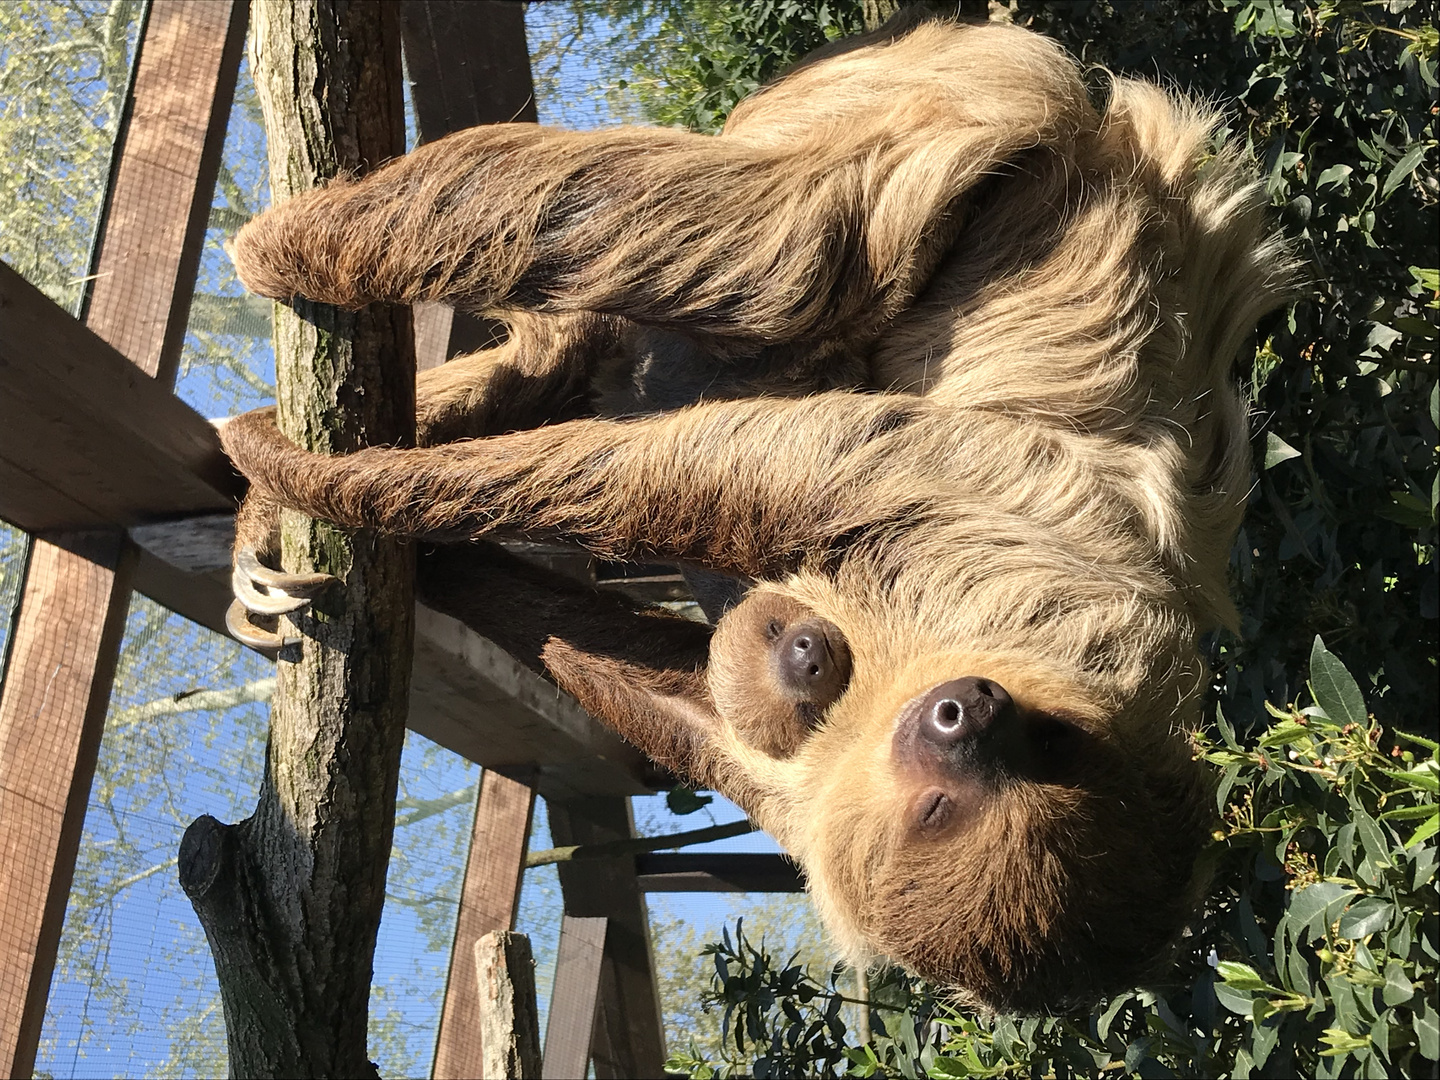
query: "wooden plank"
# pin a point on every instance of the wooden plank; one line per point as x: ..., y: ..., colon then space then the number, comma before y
x: 493, y: 876
x: 509, y: 1023
x: 165, y: 180
x: 467, y: 694
x: 66, y: 639
x: 468, y: 64
x: 80, y: 419
x: 98, y: 442
x: 574, y: 1001
x: 628, y: 1040
x: 718, y: 872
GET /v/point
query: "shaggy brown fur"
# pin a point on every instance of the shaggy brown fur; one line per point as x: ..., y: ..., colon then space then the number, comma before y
x: 935, y: 353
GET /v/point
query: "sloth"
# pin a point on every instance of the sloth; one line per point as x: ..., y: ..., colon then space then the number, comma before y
x: 922, y: 369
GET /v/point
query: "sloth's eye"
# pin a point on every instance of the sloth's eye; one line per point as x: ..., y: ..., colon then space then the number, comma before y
x: 1055, y: 742
x: 773, y: 629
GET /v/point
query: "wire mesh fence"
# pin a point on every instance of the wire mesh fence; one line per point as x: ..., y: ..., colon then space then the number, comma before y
x: 134, y: 990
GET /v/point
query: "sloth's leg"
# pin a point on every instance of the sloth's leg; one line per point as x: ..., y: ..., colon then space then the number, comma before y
x: 752, y: 241
x: 615, y: 659
x: 752, y: 487
x: 540, y: 375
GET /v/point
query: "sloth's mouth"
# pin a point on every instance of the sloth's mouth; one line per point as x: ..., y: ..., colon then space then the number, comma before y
x: 934, y: 809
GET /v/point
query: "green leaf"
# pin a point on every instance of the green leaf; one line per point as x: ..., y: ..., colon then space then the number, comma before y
x: 1429, y: 744
x: 1417, y: 327
x: 1403, y: 168
x: 1335, y: 689
x: 684, y: 800
x: 1427, y: 1031
x: 1341, y: 1041
x: 948, y: 1068
x: 1368, y: 916
x: 1237, y: 1001
x: 1285, y: 732
x: 1277, y: 450
x: 1315, y: 905
x: 1371, y: 836
x: 1398, y: 988
x: 1425, y: 831
x: 1423, y: 779
x: 1241, y: 976
x: 1406, y: 813
x: 1335, y: 174
x: 1112, y: 1010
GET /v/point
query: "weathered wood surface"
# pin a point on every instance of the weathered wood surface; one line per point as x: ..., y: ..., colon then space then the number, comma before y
x: 290, y: 899
x: 509, y: 1024
x: 575, y: 999
x: 467, y: 694
x: 76, y: 455
x: 472, y: 697
x: 159, y: 205
x: 494, y: 872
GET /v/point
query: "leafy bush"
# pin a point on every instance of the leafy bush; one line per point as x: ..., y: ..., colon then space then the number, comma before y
x: 1317, y: 952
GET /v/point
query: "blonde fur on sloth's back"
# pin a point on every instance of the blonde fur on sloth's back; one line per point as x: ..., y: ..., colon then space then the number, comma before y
x: 1040, y: 484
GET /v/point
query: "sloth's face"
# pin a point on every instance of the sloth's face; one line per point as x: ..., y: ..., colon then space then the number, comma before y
x: 984, y: 819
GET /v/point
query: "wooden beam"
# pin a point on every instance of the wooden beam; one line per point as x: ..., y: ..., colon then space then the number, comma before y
x: 467, y: 694
x: 494, y: 873
x: 718, y: 872
x: 66, y: 639
x: 87, y: 439
x: 92, y: 461
x: 509, y: 1020
x: 574, y: 1000
x: 628, y: 1040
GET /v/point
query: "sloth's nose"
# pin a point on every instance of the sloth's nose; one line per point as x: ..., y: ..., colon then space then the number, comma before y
x: 806, y: 659
x: 963, y: 710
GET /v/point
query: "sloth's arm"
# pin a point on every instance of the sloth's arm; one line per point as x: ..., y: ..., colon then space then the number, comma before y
x: 755, y: 241
x: 753, y: 486
x: 614, y: 659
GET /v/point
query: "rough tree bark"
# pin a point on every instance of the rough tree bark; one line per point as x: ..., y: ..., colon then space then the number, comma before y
x: 290, y: 898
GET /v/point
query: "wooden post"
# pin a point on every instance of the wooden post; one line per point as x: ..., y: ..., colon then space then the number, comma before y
x: 290, y: 899
x: 509, y: 1023
x: 77, y: 590
x: 575, y: 998
x: 494, y: 874
x: 468, y: 64
x: 629, y: 1040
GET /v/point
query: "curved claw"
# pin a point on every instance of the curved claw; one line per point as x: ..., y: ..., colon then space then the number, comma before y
x: 263, y: 603
x: 306, y: 585
x: 237, y: 621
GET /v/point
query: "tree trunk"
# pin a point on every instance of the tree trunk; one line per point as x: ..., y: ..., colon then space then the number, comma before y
x: 290, y: 898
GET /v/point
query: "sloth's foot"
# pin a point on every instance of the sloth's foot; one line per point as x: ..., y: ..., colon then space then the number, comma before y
x: 268, y: 594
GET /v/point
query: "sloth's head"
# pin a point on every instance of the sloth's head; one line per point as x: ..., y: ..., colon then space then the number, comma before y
x: 1020, y: 829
